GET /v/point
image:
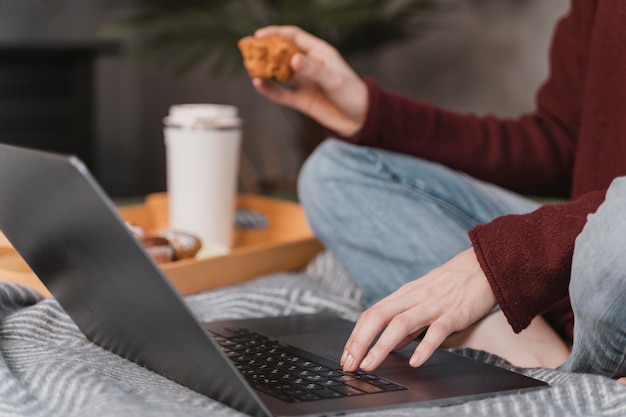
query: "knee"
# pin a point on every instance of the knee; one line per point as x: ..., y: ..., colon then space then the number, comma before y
x: 324, y: 175
x: 314, y: 170
x: 598, y: 281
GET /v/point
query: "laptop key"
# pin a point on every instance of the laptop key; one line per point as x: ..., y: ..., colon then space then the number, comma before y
x: 273, y: 368
x: 315, y: 378
x: 317, y: 368
x: 309, y: 386
x: 272, y: 392
x: 288, y: 367
x: 307, y: 396
x: 329, y: 383
x: 332, y: 373
x: 282, y: 387
x: 345, y: 378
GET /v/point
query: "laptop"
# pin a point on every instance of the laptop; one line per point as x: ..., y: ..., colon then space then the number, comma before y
x: 62, y: 223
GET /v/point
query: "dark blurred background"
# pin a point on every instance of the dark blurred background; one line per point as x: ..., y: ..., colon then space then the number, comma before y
x: 67, y: 82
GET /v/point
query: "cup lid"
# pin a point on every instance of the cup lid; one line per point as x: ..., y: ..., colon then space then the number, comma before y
x: 203, y: 115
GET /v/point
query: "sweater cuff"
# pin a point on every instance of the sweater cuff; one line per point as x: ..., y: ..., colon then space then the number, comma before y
x: 527, y: 258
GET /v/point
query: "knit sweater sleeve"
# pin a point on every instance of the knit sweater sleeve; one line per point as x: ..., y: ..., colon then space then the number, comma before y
x: 532, y: 154
x: 527, y: 258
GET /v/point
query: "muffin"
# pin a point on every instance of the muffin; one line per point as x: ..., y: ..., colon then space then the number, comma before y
x: 268, y: 58
x: 159, y: 249
x: 186, y: 245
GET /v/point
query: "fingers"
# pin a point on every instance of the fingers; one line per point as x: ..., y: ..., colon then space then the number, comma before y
x: 400, y: 330
x: 295, y: 96
x: 275, y: 30
x: 394, y: 337
x: 319, y: 72
x: 303, y: 39
x: 273, y: 92
x: 316, y: 67
x: 323, y: 85
x: 395, y: 334
x: 365, y: 331
x: 434, y: 337
x: 400, y: 323
x: 448, y: 299
x: 407, y: 340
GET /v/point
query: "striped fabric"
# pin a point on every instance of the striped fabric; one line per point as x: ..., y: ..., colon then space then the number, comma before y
x: 48, y: 368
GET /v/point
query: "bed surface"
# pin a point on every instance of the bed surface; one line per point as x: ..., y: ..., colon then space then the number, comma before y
x: 48, y: 368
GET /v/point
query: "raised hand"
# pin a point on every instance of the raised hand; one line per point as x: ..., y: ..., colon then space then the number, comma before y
x: 324, y: 86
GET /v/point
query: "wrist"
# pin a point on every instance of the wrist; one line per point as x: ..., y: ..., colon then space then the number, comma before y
x: 348, y: 128
x: 354, y: 119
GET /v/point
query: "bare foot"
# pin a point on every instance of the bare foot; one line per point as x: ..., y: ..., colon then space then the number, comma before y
x: 537, y: 346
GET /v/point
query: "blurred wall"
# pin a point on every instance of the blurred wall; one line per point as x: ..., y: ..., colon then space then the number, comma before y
x: 478, y: 55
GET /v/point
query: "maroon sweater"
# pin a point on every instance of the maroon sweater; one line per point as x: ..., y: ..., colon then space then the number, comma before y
x: 572, y: 146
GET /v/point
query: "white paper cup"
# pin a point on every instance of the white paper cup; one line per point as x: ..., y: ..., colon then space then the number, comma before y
x: 203, y: 143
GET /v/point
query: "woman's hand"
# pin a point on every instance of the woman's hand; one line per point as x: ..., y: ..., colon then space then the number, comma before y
x: 444, y: 301
x: 324, y: 86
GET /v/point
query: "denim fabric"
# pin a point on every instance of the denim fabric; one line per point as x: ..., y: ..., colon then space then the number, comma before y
x: 598, y: 289
x: 391, y: 218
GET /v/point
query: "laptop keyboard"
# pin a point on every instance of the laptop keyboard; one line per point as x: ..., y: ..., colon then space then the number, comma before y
x: 281, y: 371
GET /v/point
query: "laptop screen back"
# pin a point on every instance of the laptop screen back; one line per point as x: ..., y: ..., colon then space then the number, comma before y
x: 60, y: 221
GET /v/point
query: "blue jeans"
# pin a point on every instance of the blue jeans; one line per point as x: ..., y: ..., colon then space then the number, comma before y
x: 598, y: 289
x: 391, y: 218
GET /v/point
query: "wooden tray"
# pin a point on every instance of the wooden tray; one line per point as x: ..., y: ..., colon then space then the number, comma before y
x: 287, y: 243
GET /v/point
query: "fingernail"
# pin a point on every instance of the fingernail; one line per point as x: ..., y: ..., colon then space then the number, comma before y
x: 343, y: 357
x: 414, y: 361
x: 349, y: 362
x: 366, y: 362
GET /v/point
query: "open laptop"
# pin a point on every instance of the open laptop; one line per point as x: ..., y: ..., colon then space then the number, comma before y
x: 64, y: 226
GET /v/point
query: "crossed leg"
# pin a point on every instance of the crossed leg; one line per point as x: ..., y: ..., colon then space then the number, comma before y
x: 391, y: 218
x: 598, y: 294
x: 598, y: 290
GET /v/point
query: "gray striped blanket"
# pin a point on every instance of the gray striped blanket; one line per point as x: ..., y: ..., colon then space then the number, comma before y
x: 48, y: 368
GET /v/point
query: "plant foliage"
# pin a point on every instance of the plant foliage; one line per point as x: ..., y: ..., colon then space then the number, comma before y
x: 187, y: 33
